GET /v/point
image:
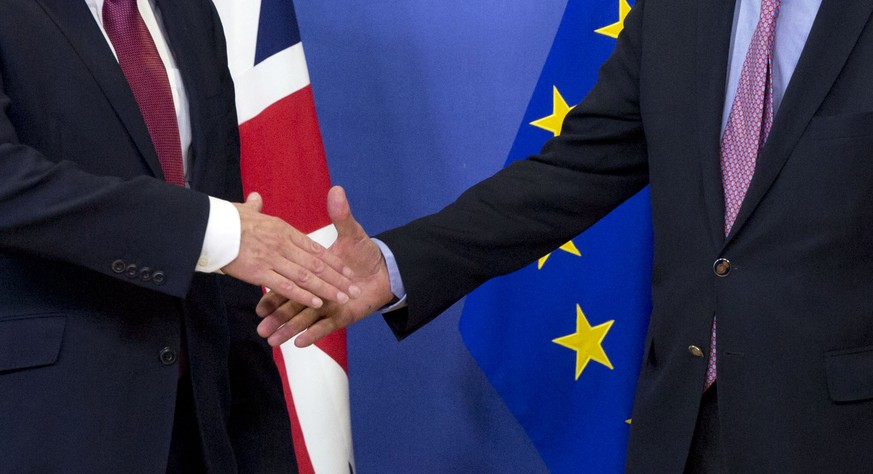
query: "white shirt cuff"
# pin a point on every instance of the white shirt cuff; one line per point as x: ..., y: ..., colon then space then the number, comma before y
x: 221, y: 242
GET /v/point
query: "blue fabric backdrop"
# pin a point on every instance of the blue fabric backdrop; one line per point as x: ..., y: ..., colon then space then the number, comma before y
x: 417, y: 101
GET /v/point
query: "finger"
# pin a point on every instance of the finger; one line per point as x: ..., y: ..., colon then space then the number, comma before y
x: 293, y: 327
x: 313, y: 274
x: 273, y: 321
x: 316, y: 331
x: 319, y: 254
x: 270, y: 302
x: 341, y: 214
x: 272, y: 250
x: 339, y: 275
x: 254, y: 201
x: 281, y: 284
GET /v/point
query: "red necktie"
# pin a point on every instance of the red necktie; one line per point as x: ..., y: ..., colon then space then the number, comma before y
x: 749, y: 123
x: 147, y: 77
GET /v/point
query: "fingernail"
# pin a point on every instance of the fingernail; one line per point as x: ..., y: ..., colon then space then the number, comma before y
x: 354, y: 291
x: 348, y: 272
x: 342, y: 298
x: 316, y: 302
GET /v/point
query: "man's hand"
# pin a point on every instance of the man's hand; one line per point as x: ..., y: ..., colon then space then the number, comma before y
x: 276, y: 255
x: 284, y: 319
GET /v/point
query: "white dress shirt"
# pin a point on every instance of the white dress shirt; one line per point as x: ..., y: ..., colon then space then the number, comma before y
x: 222, y: 239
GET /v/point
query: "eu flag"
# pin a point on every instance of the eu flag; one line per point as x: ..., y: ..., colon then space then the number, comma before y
x: 561, y: 340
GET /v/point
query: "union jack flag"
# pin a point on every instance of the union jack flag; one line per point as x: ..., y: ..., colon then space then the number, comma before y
x: 282, y: 158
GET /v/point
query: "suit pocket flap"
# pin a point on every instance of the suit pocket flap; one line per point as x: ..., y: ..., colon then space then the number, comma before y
x: 30, y: 342
x: 850, y: 374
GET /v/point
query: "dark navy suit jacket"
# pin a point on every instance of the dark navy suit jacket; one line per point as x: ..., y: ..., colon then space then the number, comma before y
x: 98, y: 294
x: 795, y: 312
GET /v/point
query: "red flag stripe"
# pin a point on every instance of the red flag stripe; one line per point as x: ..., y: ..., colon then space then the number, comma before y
x: 283, y: 159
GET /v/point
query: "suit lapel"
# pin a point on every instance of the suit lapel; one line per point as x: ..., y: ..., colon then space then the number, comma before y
x: 714, y: 23
x: 76, y: 22
x: 188, y: 60
x: 833, y: 35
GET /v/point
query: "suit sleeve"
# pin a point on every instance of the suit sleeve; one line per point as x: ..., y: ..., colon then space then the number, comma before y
x: 58, y: 211
x: 532, y: 206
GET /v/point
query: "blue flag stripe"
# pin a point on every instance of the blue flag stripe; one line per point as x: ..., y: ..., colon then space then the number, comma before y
x: 277, y: 28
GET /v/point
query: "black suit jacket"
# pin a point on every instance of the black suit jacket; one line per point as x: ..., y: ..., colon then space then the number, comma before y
x: 795, y: 313
x: 98, y: 295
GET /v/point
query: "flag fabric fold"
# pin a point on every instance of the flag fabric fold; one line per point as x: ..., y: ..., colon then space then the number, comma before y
x: 282, y: 158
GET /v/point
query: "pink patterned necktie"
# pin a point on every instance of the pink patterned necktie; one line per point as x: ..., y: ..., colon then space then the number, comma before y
x: 749, y: 123
x: 147, y: 77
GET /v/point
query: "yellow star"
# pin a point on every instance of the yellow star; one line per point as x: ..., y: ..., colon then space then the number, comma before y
x: 614, y: 29
x: 569, y: 247
x: 587, y: 341
x: 560, y: 109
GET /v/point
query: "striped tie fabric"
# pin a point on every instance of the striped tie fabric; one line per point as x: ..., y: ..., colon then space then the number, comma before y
x: 748, y: 126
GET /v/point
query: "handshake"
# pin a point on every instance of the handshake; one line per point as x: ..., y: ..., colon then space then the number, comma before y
x: 313, y: 289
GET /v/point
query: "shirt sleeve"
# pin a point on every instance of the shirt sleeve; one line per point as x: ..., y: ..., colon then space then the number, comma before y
x: 222, y: 238
x: 394, y: 275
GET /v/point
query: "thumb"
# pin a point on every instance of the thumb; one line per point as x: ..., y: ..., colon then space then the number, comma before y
x: 340, y: 213
x: 255, y: 202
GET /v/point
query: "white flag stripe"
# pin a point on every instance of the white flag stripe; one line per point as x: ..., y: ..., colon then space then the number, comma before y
x: 324, y: 236
x: 320, y: 389
x: 275, y: 78
x: 240, y: 19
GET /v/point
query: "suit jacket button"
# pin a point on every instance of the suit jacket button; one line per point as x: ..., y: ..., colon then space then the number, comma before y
x: 145, y: 274
x: 695, y: 351
x: 168, y: 356
x: 158, y: 278
x: 721, y: 267
x: 131, y: 271
x: 119, y: 266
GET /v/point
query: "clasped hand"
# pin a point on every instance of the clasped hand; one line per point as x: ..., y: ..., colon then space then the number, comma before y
x: 275, y: 255
x: 285, y: 317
